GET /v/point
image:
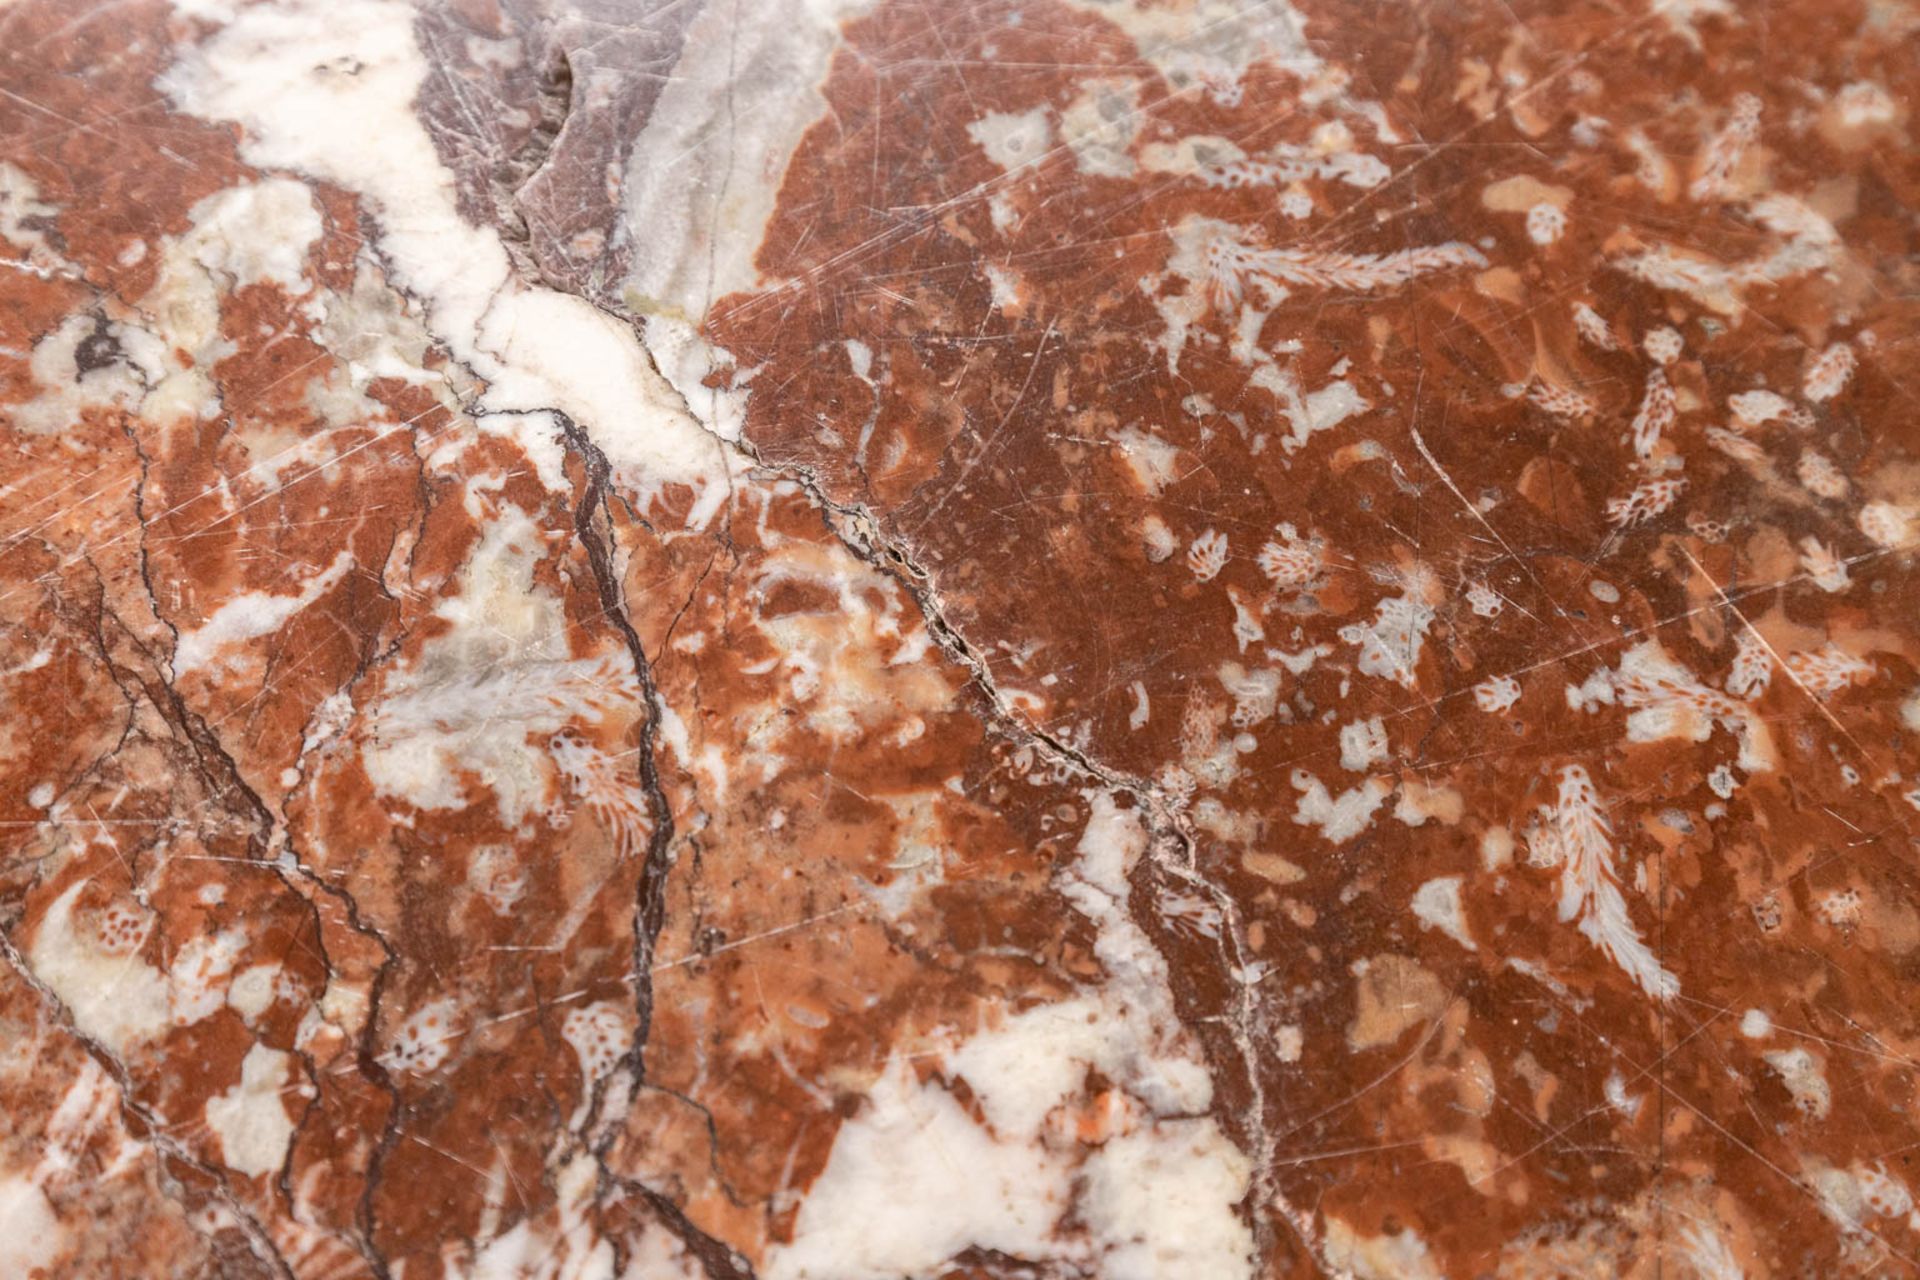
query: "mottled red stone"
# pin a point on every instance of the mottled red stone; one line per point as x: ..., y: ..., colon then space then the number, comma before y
x: 1446, y: 481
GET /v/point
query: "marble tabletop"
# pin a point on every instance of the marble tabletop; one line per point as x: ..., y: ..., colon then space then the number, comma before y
x: 959, y: 639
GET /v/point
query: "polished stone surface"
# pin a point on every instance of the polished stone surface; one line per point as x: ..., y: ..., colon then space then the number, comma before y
x: 1042, y: 639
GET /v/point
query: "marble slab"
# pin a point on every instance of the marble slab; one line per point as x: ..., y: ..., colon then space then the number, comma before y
x: 980, y: 640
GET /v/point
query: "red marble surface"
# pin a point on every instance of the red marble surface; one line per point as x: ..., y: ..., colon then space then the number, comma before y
x: 1123, y: 639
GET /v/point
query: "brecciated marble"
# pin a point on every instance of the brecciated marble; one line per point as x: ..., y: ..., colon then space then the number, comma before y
x: 996, y: 639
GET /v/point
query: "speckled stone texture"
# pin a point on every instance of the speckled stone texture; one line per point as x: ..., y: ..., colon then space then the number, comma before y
x: 981, y: 640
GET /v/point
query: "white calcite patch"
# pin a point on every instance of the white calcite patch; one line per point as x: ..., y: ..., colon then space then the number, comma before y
x: 425, y: 1039
x: 1005, y: 288
x: 913, y: 1179
x: 1389, y: 1256
x: 1340, y: 817
x: 1012, y: 139
x: 1496, y: 694
x: 1363, y: 744
x: 1821, y: 477
x: 250, y: 1119
x: 1721, y: 782
x: 1662, y: 345
x: 1159, y: 1202
x: 252, y: 614
x: 1593, y: 327
x: 254, y: 989
x: 1153, y: 460
x: 1828, y: 373
x: 1322, y: 409
x: 200, y: 973
x: 1865, y: 103
x: 1156, y: 538
x: 115, y: 998
x: 1546, y: 223
x: 1805, y: 1077
x: 258, y: 233
x: 1889, y: 524
x: 1021, y: 1070
x: 1437, y: 905
x: 1615, y: 1092
x: 1756, y: 408
x: 30, y: 1233
x: 1390, y: 645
